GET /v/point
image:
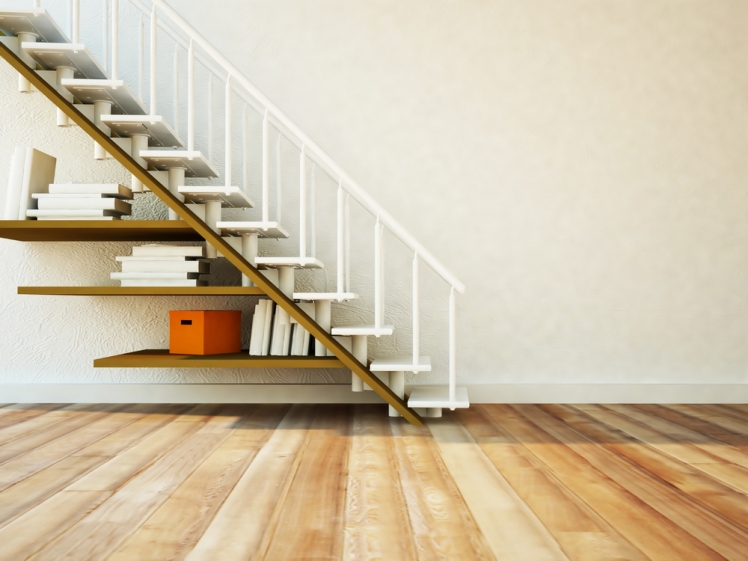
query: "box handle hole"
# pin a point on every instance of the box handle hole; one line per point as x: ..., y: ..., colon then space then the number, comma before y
x: 186, y: 322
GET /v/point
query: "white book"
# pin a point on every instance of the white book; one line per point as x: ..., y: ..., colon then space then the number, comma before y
x: 307, y: 342
x: 178, y: 258
x: 91, y: 189
x: 258, y: 324
x: 38, y: 173
x: 71, y: 213
x: 77, y: 217
x: 146, y: 276
x: 165, y: 267
x: 83, y: 203
x: 164, y: 282
x: 300, y: 344
x: 15, y: 180
x: 167, y: 250
x: 267, y: 331
x: 287, y: 332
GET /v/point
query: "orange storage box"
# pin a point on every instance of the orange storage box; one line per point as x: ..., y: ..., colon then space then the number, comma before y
x: 205, y: 332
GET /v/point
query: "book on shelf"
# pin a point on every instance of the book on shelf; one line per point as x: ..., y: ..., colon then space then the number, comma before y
x: 59, y: 218
x: 159, y: 250
x: 147, y: 276
x: 178, y: 258
x: 90, y: 189
x: 258, y: 326
x: 72, y: 214
x: 266, y: 332
x: 302, y: 337
x: 84, y: 203
x: 152, y: 266
x: 163, y: 282
x: 274, y: 333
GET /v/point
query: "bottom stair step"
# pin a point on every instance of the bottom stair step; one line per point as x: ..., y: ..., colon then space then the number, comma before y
x: 438, y: 396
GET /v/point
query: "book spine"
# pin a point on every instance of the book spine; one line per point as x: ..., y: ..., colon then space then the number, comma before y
x: 267, y: 332
x: 83, y: 203
x: 165, y: 266
x: 258, y: 324
x: 167, y: 250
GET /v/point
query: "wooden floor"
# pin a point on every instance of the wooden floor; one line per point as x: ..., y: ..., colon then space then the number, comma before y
x: 224, y: 483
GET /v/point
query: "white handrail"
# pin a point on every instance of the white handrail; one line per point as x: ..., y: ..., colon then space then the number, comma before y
x: 314, y: 152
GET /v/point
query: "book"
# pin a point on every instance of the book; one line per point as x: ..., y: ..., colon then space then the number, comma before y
x: 178, y: 258
x: 13, y: 194
x: 300, y: 340
x: 163, y: 282
x: 100, y: 189
x: 152, y: 266
x: 77, y: 217
x: 148, y: 276
x: 266, y: 332
x: 258, y: 325
x: 84, y: 203
x: 71, y: 214
x: 168, y: 250
x: 38, y: 173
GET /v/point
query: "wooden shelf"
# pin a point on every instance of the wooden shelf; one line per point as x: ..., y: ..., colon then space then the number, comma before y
x: 160, y: 358
x: 98, y: 231
x: 141, y: 290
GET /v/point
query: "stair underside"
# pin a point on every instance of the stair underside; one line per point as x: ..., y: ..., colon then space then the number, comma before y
x: 438, y: 396
x: 74, y: 55
x: 155, y: 127
x: 364, y: 330
x: 113, y: 91
x: 37, y: 21
x: 229, y: 197
x: 263, y: 229
x: 401, y: 363
x: 194, y: 163
x: 295, y: 262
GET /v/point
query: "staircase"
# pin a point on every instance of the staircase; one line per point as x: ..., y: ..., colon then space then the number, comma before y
x: 89, y: 93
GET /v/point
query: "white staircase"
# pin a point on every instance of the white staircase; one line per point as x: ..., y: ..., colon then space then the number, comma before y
x: 153, y: 142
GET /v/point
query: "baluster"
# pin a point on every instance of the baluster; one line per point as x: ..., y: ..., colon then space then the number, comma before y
x: 302, y: 203
x: 452, y: 347
x: 245, y: 147
x: 141, y: 58
x: 278, y: 182
x: 210, y: 118
x: 312, y: 216
x: 191, y: 97
x: 105, y: 36
x: 227, y: 170
x: 348, y: 243
x: 154, y: 40
x: 176, y: 88
x: 115, y: 39
x: 265, y: 168
x: 377, y: 275
x: 416, y: 319
x: 37, y: 4
x: 341, y: 238
x: 382, y: 285
x: 75, y: 20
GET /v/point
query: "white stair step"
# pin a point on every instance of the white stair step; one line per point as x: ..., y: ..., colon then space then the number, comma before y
x: 336, y: 296
x: 36, y: 20
x: 160, y: 133
x: 295, y: 262
x: 364, y: 330
x: 438, y: 396
x: 232, y: 197
x: 113, y: 91
x: 401, y: 363
x: 264, y: 229
x: 195, y: 164
x: 77, y: 56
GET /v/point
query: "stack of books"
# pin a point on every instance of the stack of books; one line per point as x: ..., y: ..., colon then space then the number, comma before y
x: 274, y: 333
x: 163, y: 265
x: 81, y: 202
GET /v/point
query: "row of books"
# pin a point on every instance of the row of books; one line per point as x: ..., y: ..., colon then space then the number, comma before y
x: 163, y: 265
x: 275, y: 333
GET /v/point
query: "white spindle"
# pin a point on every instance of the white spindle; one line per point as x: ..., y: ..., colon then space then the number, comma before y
x: 210, y: 117
x: 265, y: 168
x: 377, y: 275
x: 176, y: 89
x: 341, y: 238
x: 141, y: 58
x: 347, y: 243
x: 382, y: 284
x: 416, y: 322
x: 452, y: 346
x: 227, y: 171
x: 75, y: 21
x: 278, y: 182
x: 302, y: 203
x: 191, y: 97
x: 37, y: 3
x: 105, y: 34
x: 154, y: 40
x: 312, y: 216
x: 245, y: 148
x: 115, y: 39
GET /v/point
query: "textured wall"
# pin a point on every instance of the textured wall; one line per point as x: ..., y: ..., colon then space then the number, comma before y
x: 580, y: 165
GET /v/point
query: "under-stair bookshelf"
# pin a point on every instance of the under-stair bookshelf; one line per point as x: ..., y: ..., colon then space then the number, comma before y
x: 125, y: 124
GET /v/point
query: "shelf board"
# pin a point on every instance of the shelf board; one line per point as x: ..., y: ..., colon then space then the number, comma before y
x: 98, y: 231
x: 160, y: 358
x: 141, y: 290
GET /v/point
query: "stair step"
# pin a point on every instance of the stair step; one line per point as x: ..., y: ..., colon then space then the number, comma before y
x: 37, y: 21
x: 363, y: 330
x: 401, y: 363
x: 438, y: 396
x: 77, y: 56
x: 159, y: 132
x: 195, y: 164
x: 114, y: 91
x: 336, y: 296
x: 295, y: 262
x: 229, y: 197
x: 264, y: 229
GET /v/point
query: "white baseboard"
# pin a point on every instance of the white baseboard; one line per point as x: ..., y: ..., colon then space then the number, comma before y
x: 341, y: 393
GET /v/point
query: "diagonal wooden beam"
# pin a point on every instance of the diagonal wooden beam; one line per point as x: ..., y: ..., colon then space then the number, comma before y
x: 211, y: 236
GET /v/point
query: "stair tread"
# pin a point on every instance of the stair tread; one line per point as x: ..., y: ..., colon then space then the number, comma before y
x: 438, y: 396
x: 296, y: 262
x: 363, y: 330
x: 264, y: 229
x: 158, y: 130
x: 74, y: 55
x: 229, y: 197
x: 115, y: 92
x: 195, y: 164
x: 405, y: 363
x: 36, y: 20
x: 339, y: 296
